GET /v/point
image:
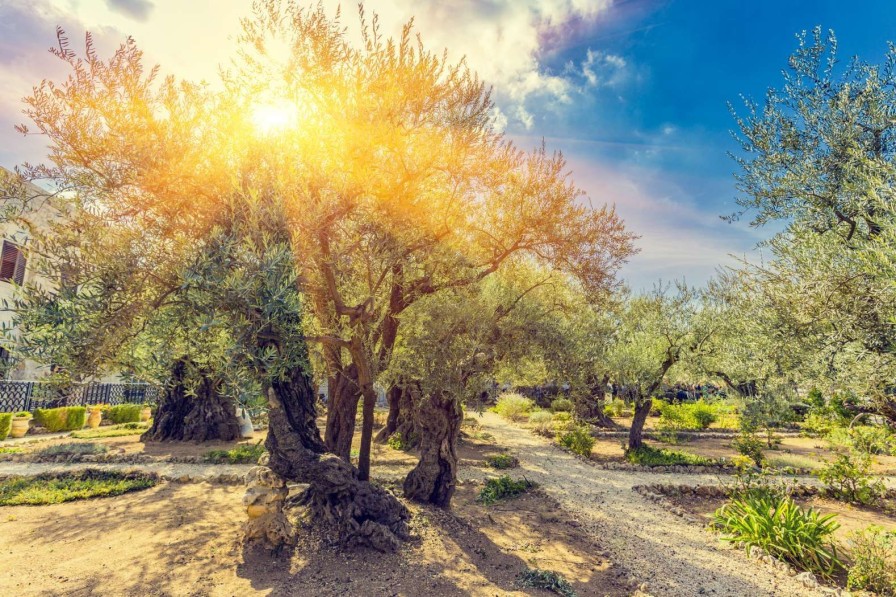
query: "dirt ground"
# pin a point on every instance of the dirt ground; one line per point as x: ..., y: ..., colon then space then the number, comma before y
x: 182, y: 539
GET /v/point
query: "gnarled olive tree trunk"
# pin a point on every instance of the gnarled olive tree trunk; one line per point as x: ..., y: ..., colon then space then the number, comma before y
x: 206, y: 416
x: 434, y: 479
x: 636, y: 433
x: 342, y: 409
x: 360, y: 513
x: 401, y: 418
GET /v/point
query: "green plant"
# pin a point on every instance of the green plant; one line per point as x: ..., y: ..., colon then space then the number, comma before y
x: 578, y: 440
x: 503, y: 488
x: 848, y: 478
x: 562, y: 422
x: 55, y: 488
x: 73, y: 449
x: 124, y: 413
x: 5, y: 425
x: 873, y: 554
x: 122, y: 430
x: 542, y: 421
x: 11, y: 450
x: 397, y: 441
x: 561, y: 405
x: 514, y: 406
x: 533, y: 578
x: 65, y: 418
x: 703, y: 414
x: 502, y: 461
x: 647, y: 456
x: 242, y: 454
x: 865, y: 439
x: 804, y: 538
x: 748, y: 444
x: 749, y: 482
x: 23, y: 414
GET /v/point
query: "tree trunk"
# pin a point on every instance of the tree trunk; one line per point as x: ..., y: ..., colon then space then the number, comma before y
x: 393, y: 397
x: 401, y: 416
x: 358, y: 512
x: 591, y: 410
x: 434, y: 479
x: 635, y: 434
x: 342, y: 409
x: 207, y: 416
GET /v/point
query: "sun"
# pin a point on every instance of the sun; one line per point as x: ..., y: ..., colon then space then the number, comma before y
x: 273, y: 116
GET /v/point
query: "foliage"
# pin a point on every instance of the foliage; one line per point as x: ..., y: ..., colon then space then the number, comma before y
x: 804, y: 538
x: 686, y: 416
x: 111, y: 431
x: 873, y: 555
x: 124, y: 413
x: 65, y: 418
x: 561, y: 405
x: 617, y: 408
x: 748, y: 444
x: 848, y: 478
x: 647, y: 456
x: 749, y: 482
x: 241, y: 454
x: 541, y: 420
x: 73, y: 449
x: 502, y: 461
x: 514, y: 406
x: 865, y: 439
x: 504, y: 487
x: 11, y: 450
x: 55, y: 488
x: 22, y: 414
x: 5, y: 425
x: 577, y: 440
x: 535, y: 578
x: 563, y: 422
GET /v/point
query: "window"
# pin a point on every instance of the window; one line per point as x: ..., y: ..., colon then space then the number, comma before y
x: 12, y: 263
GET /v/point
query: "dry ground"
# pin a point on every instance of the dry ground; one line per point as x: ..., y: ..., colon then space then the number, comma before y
x: 182, y: 539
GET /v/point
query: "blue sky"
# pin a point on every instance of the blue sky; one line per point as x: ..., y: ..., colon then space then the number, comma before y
x: 634, y: 92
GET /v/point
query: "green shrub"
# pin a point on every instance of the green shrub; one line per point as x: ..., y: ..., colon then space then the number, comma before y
x: 748, y: 444
x: 865, y: 439
x: 242, y: 454
x: 542, y: 421
x: 55, y: 488
x: 73, y: 449
x: 804, y: 538
x: 23, y: 414
x: 703, y: 414
x: 396, y: 441
x: 617, y: 408
x: 533, y: 578
x: 848, y: 478
x: 686, y: 416
x: 503, y: 488
x: 502, y: 461
x: 647, y: 456
x: 124, y: 413
x: 873, y: 554
x: 122, y: 430
x: 562, y: 422
x: 514, y: 406
x: 66, y: 418
x: 5, y: 425
x: 563, y: 405
x: 578, y: 440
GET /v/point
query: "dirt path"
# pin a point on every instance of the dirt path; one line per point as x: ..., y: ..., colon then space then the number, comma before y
x: 166, y: 470
x: 673, y: 557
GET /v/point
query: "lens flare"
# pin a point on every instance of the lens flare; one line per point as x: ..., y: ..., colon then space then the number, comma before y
x: 271, y: 117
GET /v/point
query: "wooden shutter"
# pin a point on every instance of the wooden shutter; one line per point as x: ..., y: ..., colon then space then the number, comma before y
x: 9, y: 260
x: 19, y: 275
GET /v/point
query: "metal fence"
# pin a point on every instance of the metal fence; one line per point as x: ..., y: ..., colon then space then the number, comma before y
x: 27, y: 395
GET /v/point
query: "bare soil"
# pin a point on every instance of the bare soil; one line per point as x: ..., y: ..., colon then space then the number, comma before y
x: 183, y: 539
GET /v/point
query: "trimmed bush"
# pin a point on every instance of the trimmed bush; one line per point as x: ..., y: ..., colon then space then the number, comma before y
x: 647, y: 456
x: 124, y: 413
x: 514, y: 406
x: 561, y: 405
x: 542, y: 421
x: 5, y: 425
x: 503, y: 488
x: 689, y: 416
x: 66, y: 418
x: 577, y: 440
x: 804, y: 538
x: 873, y: 554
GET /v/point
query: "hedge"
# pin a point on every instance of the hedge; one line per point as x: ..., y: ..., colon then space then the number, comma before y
x: 124, y: 413
x: 5, y: 425
x: 66, y: 418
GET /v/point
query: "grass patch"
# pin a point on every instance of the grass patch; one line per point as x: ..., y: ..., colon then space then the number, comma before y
x: 242, y: 454
x: 533, y: 578
x: 55, y: 488
x: 502, y: 461
x: 73, y: 449
x: 647, y: 456
x: 503, y: 488
x: 11, y: 450
x: 111, y: 431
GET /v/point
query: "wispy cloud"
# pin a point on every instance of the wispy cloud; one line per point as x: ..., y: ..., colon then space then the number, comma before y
x: 139, y: 10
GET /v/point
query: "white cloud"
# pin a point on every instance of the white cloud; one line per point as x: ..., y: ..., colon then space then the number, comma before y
x: 601, y: 69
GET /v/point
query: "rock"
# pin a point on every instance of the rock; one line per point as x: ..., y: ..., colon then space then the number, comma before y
x: 264, y: 500
x: 808, y: 580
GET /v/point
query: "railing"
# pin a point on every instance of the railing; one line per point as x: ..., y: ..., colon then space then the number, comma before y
x: 28, y: 395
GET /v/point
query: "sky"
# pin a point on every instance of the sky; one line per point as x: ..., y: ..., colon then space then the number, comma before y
x: 634, y: 93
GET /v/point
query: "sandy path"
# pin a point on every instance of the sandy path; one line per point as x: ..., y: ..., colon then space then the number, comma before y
x: 673, y: 557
